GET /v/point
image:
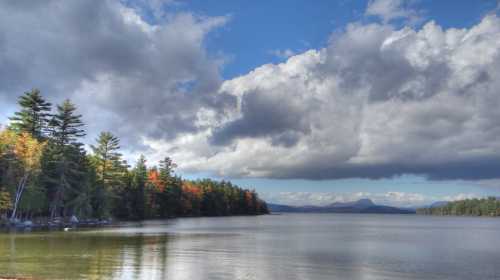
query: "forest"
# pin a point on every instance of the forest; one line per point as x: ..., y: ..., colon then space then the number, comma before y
x: 46, y: 172
x: 469, y: 207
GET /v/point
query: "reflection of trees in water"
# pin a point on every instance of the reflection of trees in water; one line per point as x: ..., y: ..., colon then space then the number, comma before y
x: 82, y: 255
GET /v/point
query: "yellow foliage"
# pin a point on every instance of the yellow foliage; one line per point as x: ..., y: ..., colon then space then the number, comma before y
x: 5, y: 201
x: 24, y: 147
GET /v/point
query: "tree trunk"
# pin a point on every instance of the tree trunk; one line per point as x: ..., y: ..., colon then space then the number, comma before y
x: 19, y: 192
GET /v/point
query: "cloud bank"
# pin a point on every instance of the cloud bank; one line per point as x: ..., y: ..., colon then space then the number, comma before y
x: 378, y: 101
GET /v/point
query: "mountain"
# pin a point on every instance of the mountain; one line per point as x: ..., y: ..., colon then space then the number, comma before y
x: 438, y: 204
x: 362, y: 203
x: 360, y: 206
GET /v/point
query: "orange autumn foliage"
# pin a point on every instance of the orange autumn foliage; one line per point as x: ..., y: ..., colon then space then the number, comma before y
x: 154, y: 179
x: 190, y: 188
x: 248, y: 198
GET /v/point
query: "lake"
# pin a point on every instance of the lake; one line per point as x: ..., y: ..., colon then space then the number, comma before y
x: 288, y: 246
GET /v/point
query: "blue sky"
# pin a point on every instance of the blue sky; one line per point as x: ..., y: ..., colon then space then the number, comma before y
x: 258, y: 28
x: 308, y: 102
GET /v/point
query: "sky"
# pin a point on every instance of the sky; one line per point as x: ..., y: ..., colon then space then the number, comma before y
x: 306, y: 102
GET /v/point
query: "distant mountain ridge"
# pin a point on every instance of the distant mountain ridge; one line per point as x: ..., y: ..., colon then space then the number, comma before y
x: 361, y: 203
x: 438, y: 204
x: 359, y: 206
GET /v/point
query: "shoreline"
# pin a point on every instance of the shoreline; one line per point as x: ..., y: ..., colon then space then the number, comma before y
x: 93, y: 223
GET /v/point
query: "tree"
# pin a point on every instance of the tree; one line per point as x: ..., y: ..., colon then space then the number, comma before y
x: 66, y: 125
x: 138, y: 189
x: 34, y: 115
x: 45, y: 171
x: 107, y: 159
x: 28, y: 151
x: 169, y: 198
x: 66, y: 152
x: 24, y: 155
x: 5, y: 201
x: 110, y: 169
x: 469, y: 207
x: 83, y: 197
x: 167, y: 167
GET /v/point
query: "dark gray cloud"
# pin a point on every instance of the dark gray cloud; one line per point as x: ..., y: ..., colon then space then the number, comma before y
x: 265, y: 114
x: 470, y: 169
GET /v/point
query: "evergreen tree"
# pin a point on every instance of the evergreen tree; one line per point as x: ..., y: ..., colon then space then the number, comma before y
x: 167, y: 167
x: 140, y: 177
x: 469, y: 207
x: 34, y: 115
x: 66, y: 154
x: 107, y: 159
x: 81, y: 197
x: 169, y: 200
x: 51, y: 175
x: 66, y: 125
x: 110, y: 169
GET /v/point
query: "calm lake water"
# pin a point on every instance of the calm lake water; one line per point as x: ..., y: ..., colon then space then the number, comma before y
x: 289, y: 246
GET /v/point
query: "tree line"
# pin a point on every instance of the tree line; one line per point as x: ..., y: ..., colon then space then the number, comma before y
x: 46, y: 172
x: 469, y: 207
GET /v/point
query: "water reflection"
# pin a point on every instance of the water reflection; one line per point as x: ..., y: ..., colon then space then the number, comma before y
x: 76, y: 256
x: 270, y: 247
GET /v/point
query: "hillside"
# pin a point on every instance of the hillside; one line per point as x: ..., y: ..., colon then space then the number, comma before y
x: 363, y: 206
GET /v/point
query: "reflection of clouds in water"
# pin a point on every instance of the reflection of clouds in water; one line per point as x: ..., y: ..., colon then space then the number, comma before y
x: 295, y: 246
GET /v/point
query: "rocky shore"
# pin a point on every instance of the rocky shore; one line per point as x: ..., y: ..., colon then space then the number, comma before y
x: 57, y: 223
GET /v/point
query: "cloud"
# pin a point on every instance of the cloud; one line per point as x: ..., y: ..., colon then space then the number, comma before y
x: 128, y: 75
x: 283, y: 54
x: 376, y: 102
x: 389, y: 10
x: 391, y: 198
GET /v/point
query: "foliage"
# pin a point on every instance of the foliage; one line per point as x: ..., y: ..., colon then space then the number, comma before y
x: 45, y: 172
x: 23, y: 153
x: 66, y: 155
x: 469, y: 207
x: 5, y: 202
x: 110, y: 170
x: 33, y: 116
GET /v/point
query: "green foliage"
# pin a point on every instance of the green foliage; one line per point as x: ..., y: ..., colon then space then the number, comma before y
x: 111, y: 172
x: 66, y: 125
x: 469, y: 207
x: 66, y: 155
x: 34, y: 115
x: 45, y: 172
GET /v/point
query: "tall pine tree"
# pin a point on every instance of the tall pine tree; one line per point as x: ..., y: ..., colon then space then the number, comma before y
x: 111, y: 171
x: 66, y: 153
x: 139, y: 180
x: 34, y: 115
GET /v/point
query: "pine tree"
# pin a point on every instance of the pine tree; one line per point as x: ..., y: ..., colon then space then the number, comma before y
x: 139, y: 180
x: 111, y: 170
x: 107, y: 159
x: 66, y: 153
x: 66, y: 125
x: 34, y: 115
x: 82, y: 195
x: 167, y: 167
x: 170, y: 197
